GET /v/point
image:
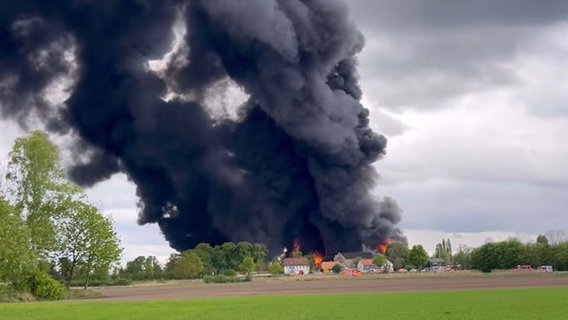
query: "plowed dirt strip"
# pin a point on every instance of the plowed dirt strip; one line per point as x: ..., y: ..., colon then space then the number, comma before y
x: 325, y: 287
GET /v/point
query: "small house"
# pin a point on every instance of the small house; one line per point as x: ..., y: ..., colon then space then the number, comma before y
x: 366, y: 266
x: 296, y: 266
x: 348, y: 258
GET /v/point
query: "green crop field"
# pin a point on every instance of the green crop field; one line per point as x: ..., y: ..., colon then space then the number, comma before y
x: 530, y: 304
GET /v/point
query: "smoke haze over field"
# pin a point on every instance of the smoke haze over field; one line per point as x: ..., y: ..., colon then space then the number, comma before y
x: 293, y: 162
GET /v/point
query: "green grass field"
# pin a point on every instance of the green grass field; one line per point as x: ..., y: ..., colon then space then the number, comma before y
x: 530, y: 304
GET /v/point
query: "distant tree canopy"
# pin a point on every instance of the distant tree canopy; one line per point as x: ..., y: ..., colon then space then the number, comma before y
x: 511, y: 253
x: 227, y: 258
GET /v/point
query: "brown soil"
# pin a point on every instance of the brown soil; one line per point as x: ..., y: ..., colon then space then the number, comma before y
x: 201, y: 291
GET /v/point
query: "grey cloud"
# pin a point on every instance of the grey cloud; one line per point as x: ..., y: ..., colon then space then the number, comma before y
x: 435, y: 14
x: 424, y: 55
x: 478, y: 207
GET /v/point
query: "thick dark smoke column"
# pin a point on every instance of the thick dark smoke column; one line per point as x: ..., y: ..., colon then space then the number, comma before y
x: 296, y: 164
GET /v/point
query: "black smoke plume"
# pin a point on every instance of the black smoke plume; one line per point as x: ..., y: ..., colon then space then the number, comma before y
x: 295, y: 162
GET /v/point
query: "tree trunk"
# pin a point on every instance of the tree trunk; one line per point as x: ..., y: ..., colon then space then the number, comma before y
x: 70, y: 276
x: 87, y: 280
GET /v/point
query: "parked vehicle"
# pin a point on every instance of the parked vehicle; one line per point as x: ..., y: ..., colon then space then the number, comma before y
x: 545, y: 268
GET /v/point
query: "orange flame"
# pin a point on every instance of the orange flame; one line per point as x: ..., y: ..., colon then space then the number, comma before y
x: 383, y: 247
x: 318, y: 259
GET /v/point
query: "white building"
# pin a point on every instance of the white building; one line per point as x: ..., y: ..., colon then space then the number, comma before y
x: 296, y: 266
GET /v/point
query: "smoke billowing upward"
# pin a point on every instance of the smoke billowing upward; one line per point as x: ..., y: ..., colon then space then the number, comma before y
x: 294, y: 163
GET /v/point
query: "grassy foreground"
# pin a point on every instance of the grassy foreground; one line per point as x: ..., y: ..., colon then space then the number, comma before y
x: 530, y: 304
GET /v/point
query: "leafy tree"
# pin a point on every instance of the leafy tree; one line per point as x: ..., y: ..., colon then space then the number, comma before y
x: 417, y: 256
x: 380, y: 260
x: 231, y: 255
x: 170, y: 265
x: 538, y: 254
x: 188, y: 265
x: 560, y: 256
x: 247, y: 265
x: 485, y: 257
x: 275, y: 268
x: 135, y: 268
x: 37, y: 186
x: 510, y: 254
x: 258, y: 253
x: 463, y: 257
x: 85, y: 237
x: 16, y: 257
x: 205, y: 252
x: 444, y: 250
x: 88, y: 238
x: 397, y: 252
x: 152, y: 268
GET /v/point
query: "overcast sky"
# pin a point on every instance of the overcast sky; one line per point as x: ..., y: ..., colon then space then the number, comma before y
x: 473, y: 97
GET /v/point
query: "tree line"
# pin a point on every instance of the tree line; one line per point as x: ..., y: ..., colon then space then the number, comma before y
x: 204, y: 260
x: 502, y: 255
x: 49, y: 231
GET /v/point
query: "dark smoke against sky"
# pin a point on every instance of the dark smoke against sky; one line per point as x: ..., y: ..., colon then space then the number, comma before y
x: 295, y: 164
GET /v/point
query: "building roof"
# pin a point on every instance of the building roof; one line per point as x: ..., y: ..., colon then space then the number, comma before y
x: 327, y: 265
x: 289, y: 262
x: 353, y: 255
x: 366, y: 262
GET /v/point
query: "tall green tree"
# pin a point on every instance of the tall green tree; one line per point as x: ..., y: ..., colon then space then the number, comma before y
x: 85, y: 237
x: 462, y: 258
x: 418, y: 257
x: 37, y: 188
x: 444, y: 250
x: 397, y: 252
x: 17, y: 260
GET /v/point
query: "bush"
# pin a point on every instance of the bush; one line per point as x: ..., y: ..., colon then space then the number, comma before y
x: 230, y: 273
x: 275, y: 268
x: 121, y: 282
x: 337, y: 268
x: 44, y: 287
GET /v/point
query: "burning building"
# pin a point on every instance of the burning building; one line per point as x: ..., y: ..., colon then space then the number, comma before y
x: 294, y: 160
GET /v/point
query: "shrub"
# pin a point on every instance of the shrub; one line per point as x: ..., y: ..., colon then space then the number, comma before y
x: 230, y: 273
x: 121, y: 282
x: 275, y: 268
x: 44, y: 287
x: 337, y: 268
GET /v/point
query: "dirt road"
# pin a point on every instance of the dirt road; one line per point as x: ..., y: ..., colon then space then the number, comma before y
x: 200, y: 291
